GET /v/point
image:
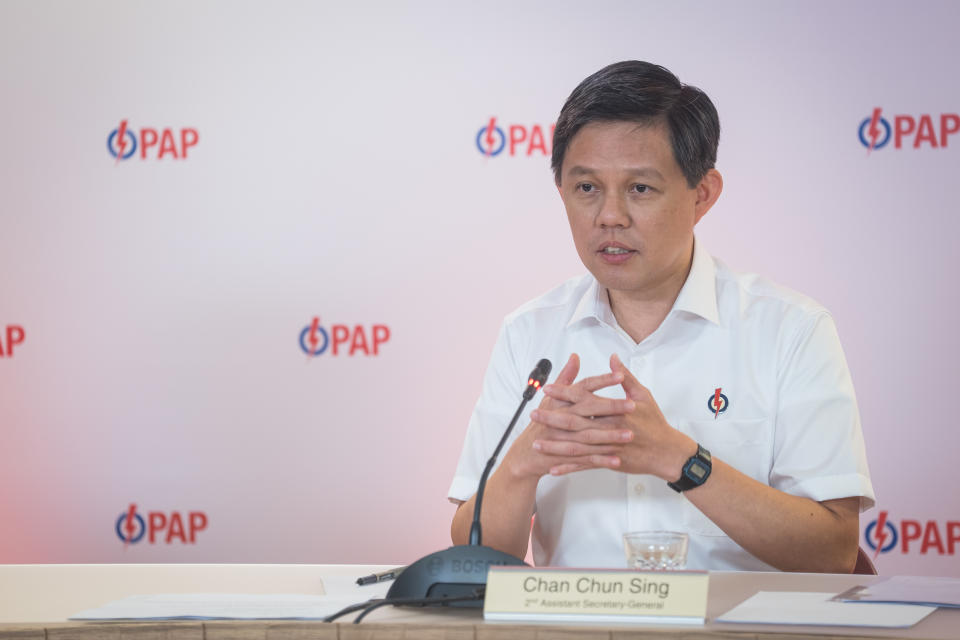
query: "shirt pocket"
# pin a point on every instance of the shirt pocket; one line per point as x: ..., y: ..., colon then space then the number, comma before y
x: 744, y: 444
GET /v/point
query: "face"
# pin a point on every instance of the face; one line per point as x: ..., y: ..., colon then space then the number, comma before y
x: 630, y: 208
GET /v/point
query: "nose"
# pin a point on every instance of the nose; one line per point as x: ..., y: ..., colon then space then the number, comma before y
x: 613, y: 212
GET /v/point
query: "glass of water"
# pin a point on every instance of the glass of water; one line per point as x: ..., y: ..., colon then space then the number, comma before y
x: 656, y: 550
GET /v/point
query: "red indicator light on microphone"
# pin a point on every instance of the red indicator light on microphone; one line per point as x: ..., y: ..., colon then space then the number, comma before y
x: 536, y: 379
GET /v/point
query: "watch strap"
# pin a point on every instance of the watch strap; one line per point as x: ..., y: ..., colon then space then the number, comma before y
x: 695, y: 472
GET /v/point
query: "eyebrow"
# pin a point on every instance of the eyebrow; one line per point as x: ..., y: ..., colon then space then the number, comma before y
x: 641, y: 172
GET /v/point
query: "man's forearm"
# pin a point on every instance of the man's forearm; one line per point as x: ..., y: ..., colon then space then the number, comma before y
x: 788, y: 532
x: 785, y: 531
x: 507, y: 508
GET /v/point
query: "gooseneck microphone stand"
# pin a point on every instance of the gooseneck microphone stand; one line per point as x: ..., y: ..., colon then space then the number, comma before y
x: 450, y: 577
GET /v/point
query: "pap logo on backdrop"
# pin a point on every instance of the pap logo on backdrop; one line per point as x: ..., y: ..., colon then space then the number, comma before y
x: 14, y: 336
x: 883, y: 535
x: 315, y: 340
x: 875, y: 131
x: 131, y: 526
x: 518, y: 139
x: 123, y: 142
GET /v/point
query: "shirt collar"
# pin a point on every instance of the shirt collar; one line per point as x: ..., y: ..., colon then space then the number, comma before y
x: 594, y: 304
x: 698, y: 294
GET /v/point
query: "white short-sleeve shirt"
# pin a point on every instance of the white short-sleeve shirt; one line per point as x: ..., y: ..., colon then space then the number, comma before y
x: 788, y: 415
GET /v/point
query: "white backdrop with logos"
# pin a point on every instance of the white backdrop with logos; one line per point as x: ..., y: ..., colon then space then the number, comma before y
x: 152, y: 308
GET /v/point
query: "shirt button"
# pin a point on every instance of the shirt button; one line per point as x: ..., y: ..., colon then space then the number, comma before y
x: 638, y: 488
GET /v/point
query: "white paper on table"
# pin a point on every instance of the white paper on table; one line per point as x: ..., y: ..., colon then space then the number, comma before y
x: 785, y: 607
x: 236, y: 606
x: 929, y: 591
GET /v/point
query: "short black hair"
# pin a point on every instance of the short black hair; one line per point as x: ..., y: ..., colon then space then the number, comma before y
x: 635, y: 91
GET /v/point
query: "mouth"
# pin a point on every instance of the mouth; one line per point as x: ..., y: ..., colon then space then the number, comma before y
x: 615, y: 253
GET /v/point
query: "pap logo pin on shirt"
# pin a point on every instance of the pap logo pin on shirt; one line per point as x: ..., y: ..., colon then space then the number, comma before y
x: 717, y: 403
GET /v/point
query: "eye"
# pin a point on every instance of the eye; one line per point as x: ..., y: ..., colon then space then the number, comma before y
x: 639, y: 188
x: 586, y: 187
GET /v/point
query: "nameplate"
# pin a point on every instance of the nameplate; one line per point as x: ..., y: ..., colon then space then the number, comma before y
x: 595, y: 595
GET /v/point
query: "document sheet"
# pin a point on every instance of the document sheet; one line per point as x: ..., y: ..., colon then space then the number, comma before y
x: 932, y: 591
x: 340, y: 593
x: 805, y: 608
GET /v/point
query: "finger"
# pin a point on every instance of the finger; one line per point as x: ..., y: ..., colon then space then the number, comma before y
x: 630, y: 384
x: 591, y: 406
x: 561, y: 419
x: 590, y: 462
x: 572, y: 449
x: 578, y: 391
x: 566, y: 376
x: 595, y: 383
x: 552, y: 403
x: 564, y: 469
x: 589, y: 436
x: 570, y: 370
x: 594, y: 415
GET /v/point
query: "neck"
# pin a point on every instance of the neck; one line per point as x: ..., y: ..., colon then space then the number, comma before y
x: 640, y: 313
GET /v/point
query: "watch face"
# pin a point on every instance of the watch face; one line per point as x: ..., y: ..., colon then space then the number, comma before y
x: 697, y: 471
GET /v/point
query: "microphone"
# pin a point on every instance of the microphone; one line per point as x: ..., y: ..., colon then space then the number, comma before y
x: 455, y: 573
x: 537, y: 377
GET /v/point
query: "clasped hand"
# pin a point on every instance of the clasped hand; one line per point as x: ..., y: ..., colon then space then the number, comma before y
x: 574, y: 429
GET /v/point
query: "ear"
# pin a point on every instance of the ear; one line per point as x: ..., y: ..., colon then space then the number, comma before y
x: 707, y: 193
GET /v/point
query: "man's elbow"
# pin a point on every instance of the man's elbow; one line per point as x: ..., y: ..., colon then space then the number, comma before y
x: 841, y: 543
x: 836, y: 553
x: 460, y: 527
x: 457, y: 536
x: 825, y: 557
x: 845, y: 559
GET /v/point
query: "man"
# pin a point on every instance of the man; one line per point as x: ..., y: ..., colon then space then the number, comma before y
x: 678, y: 370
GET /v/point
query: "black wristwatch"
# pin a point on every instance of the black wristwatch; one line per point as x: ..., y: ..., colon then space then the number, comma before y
x: 695, y: 472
